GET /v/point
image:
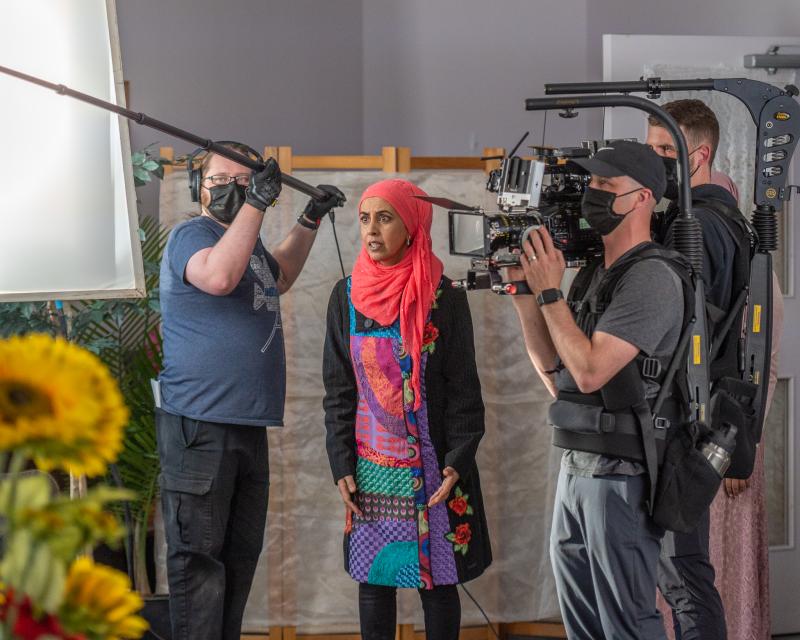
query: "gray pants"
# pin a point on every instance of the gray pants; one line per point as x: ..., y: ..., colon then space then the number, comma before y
x: 686, y: 580
x: 604, y: 549
x: 214, y: 489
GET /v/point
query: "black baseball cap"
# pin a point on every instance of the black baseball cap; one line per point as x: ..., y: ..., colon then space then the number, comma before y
x: 632, y: 159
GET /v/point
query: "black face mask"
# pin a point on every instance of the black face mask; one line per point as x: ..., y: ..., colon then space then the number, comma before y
x: 597, y: 208
x: 671, y: 167
x: 226, y: 201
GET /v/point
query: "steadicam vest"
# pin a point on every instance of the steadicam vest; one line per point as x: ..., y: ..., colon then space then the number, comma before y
x: 606, y: 421
x: 631, y: 416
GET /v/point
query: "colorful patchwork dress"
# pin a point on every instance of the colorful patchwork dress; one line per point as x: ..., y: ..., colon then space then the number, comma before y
x: 396, y: 454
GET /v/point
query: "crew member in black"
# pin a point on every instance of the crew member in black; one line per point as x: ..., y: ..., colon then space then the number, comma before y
x: 685, y: 573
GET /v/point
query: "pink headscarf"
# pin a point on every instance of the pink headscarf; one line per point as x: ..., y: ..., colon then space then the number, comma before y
x: 408, y: 288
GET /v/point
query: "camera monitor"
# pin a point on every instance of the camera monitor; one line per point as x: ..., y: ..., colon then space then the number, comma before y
x: 467, y: 234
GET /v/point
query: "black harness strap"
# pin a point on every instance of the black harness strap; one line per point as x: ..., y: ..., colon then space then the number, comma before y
x: 726, y: 344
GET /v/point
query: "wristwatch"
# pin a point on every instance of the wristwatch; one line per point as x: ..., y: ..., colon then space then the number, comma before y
x: 549, y: 296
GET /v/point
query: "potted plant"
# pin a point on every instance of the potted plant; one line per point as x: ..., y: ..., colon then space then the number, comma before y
x: 125, y: 335
x: 60, y: 407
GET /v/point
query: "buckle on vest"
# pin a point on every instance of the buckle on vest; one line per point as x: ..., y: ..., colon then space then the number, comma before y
x: 651, y: 368
x: 607, y: 422
x: 661, y: 423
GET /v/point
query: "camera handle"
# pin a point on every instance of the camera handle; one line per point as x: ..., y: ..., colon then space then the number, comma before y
x: 515, y: 288
x: 580, y: 102
x: 491, y: 280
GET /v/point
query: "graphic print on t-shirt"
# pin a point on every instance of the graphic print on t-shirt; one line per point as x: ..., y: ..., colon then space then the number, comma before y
x: 266, y: 294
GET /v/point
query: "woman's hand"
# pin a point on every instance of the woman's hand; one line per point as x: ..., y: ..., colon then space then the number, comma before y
x: 347, y: 488
x: 735, y: 487
x: 450, y: 479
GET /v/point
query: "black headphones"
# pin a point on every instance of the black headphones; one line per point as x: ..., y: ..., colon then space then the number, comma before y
x: 195, y: 175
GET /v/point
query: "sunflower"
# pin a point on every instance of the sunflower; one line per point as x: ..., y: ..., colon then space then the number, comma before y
x: 59, y: 404
x: 98, y: 602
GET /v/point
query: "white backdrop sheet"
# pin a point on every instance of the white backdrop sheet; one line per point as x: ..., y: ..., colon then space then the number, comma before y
x: 300, y: 580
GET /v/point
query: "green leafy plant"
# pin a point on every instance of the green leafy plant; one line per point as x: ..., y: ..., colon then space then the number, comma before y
x: 146, y: 166
x: 126, y: 336
x: 18, y: 318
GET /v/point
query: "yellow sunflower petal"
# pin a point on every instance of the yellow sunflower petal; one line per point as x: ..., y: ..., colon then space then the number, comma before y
x: 60, y: 403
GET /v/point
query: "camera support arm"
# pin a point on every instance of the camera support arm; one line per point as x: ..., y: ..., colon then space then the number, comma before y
x: 776, y: 115
x: 689, y: 242
x: 688, y: 232
x: 147, y: 121
x: 774, y: 111
x: 652, y: 86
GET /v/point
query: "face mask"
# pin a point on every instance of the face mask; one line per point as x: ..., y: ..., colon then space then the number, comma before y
x: 671, y: 167
x: 597, y: 208
x: 226, y: 202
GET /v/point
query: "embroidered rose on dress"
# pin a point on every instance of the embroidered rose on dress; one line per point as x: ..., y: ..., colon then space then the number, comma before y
x: 429, y: 336
x: 461, y: 538
x: 460, y: 503
x: 463, y: 534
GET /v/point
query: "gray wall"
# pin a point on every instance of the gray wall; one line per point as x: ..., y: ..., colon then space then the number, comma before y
x: 443, y: 74
x: 682, y: 17
x: 277, y: 72
x: 451, y: 76
x: 349, y: 76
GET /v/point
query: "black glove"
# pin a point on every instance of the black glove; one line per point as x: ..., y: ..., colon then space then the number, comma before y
x: 265, y: 186
x: 316, y: 210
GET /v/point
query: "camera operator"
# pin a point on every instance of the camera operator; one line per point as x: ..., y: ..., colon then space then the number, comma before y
x: 223, y: 381
x: 685, y: 574
x: 604, y: 545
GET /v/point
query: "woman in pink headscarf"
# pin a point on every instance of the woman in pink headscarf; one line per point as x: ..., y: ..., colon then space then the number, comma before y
x: 404, y: 417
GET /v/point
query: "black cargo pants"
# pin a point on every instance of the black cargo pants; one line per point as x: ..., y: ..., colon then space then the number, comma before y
x: 214, y: 490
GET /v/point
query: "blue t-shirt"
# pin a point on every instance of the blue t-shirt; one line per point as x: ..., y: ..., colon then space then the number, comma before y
x: 224, y: 357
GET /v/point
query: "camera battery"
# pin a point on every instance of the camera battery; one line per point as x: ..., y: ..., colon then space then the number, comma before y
x: 521, y: 183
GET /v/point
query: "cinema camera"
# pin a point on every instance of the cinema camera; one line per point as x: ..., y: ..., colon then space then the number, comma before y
x: 544, y: 189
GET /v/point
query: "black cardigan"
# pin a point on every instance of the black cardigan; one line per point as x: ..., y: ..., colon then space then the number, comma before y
x: 455, y: 406
x: 453, y: 390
